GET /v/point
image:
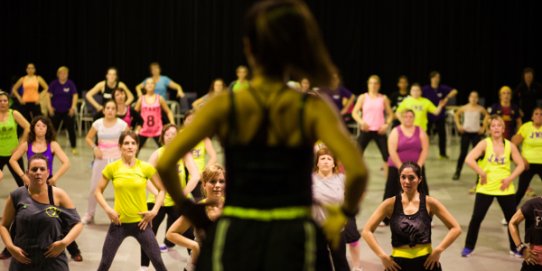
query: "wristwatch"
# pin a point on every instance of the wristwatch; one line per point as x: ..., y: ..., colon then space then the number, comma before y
x: 521, y: 248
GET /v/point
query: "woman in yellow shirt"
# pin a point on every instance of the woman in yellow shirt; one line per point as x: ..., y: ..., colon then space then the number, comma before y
x: 495, y: 180
x: 529, y: 137
x: 130, y: 216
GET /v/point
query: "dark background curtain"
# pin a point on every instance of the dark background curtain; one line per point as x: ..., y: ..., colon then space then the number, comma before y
x: 478, y: 45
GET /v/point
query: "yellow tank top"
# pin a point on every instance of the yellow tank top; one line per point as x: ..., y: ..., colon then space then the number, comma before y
x: 198, y: 153
x: 168, y: 201
x: 496, y: 168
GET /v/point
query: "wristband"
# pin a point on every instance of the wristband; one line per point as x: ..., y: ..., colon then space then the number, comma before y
x: 521, y: 248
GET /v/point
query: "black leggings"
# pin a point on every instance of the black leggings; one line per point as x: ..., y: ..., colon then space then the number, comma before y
x: 393, y: 185
x: 67, y: 123
x: 415, y: 264
x: 172, y: 215
x: 525, y: 180
x: 4, y: 160
x: 481, y: 205
x: 366, y: 137
x: 466, y: 140
x: 115, y: 236
x: 30, y: 110
x: 440, y: 124
x: 143, y: 139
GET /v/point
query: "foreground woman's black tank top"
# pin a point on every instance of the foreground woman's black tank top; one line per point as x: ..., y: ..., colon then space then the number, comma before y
x: 262, y: 176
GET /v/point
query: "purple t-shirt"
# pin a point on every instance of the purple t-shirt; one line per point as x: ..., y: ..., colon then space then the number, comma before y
x: 435, y: 95
x: 338, y: 95
x: 62, y: 95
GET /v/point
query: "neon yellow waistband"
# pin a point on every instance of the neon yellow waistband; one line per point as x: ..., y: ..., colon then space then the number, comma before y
x: 411, y: 252
x: 284, y: 213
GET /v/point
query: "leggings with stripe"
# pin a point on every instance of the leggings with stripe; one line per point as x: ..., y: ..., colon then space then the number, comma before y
x: 289, y: 244
x: 145, y: 238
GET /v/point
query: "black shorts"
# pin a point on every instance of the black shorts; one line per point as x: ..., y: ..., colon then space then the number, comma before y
x: 351, y: 233
x: 243, y: 244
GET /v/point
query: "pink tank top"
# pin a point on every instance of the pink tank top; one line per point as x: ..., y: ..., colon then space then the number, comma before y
x: 373, y: 111
x: 152, y: 117
x: 408, y: 148
x: 127, y: 118
x: 30, y: 89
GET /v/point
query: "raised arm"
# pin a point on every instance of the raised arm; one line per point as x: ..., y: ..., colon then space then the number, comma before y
x: 424, y: 139
x: 15, y: 90
x: 98, y: 193
x: 65, y: 162
x: 43, y: 84
x: 21, y: 121
x: 457, y: 119
x: 470, y: 160
x: 172, y: 84
x: 357, y: 110
x: 17, y: 154
x: 166, y: 109
x: 384, y: 210
x: 138, y: 89
x: 93, y: 91
x: 392, y: 148
x: 454, y: 230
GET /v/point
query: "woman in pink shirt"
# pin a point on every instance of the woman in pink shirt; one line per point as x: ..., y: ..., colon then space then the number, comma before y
x: 373, y: 114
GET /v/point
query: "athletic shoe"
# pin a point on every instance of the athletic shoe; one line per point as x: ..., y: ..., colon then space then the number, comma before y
x: 87, y: 219
x: 163, y: 248
x: 530, y: 192
x: 515, y: 254
x: 443, y: 157
x: 74, y: 151
x: 456, y: 176
x: 144, y: 268
x: 503, y: 222
x: 466, y: 252
x: 472, y: 190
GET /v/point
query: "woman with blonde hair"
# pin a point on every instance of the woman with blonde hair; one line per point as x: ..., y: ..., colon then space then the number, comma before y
x: 213, y: 187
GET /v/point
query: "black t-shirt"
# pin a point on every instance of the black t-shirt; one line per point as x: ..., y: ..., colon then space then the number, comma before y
x: 532, y: 211
x: 396, y: 98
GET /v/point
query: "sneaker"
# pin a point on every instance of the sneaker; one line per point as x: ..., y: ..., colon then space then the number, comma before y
x: 472, y: 190
x: 77, y: 257
x: 456, y: 176
x: 503, y: 221
x: 515, y: 254
x: 144, y: 268
x: 87, y: 219
x: 466, y: 252
x: 443, y: 157
x: 163, y: 248
x: 74, y: 151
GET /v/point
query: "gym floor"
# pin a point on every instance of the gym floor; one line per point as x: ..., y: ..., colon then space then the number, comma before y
x: 491, y: 252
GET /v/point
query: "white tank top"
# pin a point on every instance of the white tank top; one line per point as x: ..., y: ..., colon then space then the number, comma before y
x: 471, y: 121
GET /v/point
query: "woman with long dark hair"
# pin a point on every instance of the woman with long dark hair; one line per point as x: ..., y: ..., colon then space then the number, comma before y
x: 268, y: 132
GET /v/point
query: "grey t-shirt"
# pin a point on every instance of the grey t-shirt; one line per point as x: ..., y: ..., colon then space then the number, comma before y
x: 325, y: 191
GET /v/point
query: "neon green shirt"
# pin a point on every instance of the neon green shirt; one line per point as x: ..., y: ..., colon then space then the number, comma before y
x: 496, y: 168
x: 130, y: 185
x: 531, y: 147
x: 421, y: 106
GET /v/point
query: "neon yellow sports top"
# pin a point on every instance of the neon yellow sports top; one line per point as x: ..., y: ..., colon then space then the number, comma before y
x: 421, y: 106
x: 130, y: 185
x: 198, y: 153
x: 496, y: 168
x: 168, y: 200
x: 532, y: 143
